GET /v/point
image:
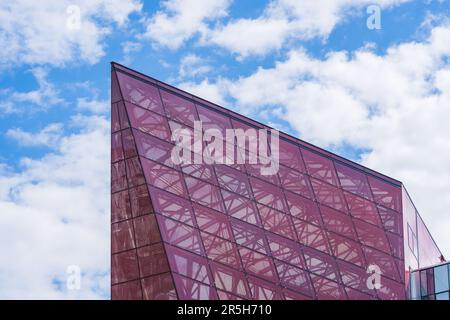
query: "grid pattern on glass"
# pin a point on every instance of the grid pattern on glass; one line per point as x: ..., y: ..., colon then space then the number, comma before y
x: 227, y: 232
x: 430, y: 283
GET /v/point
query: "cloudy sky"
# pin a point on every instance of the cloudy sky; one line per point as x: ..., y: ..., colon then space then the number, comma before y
x: 311, y: 68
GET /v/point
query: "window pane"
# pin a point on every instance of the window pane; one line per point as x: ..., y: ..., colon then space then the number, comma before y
x: 415, y: 285
x: 441, y: 279
x: 442, y: 296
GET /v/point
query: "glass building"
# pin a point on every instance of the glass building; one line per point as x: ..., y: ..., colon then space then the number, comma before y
x: 430, y: 283
x: 322, y: 227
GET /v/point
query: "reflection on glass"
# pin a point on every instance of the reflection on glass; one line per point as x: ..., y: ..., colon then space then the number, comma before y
x: 423, y: 283
x: 442, y: 296
x: 441, y: 278
x: 415, y: 285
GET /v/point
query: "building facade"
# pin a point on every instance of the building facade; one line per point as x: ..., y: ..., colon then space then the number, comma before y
x: 430, y: 283
x: 321, y: 227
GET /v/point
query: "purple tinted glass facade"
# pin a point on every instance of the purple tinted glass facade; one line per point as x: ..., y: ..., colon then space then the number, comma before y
x: 217, y: 231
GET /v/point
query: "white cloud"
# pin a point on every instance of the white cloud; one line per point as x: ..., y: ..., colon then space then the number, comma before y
x: 93, y: 105
x: 129, y: 48
x: 49, y: 136
x: 179, y: 20
x: 284, y: 20
x: 250, y: 36
x: 192, y: 65
x: 45, y: 96
x: 55, y: 213
x: 213, y: 92
x: 395, y: 105
x: 37, y: 32
x: 280, y: 23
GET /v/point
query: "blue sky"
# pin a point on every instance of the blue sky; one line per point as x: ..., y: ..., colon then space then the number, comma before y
x: 385, y: 94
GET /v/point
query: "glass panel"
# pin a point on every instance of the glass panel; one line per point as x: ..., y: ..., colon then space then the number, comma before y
x: 429, y: 253
x: 220, y: 250
x: 249, y: 236
x: 213, y: 120
x: 120, y: 206
x: 346, y: 249
x: 240, y: 208
x: 311, y: 235
x: 326, y: 289
x: 357, y: 295
x: 384, y: 261
x: 396, y: 243
x: 172, y: 206
x: 258, y: 264
x: 392, y: 221
x: 268, y: 194
x: 116, y: 147
x: 294, y: 278
x: 410, y: 219
x: 152, y: 260
x: 146, y: 230
x: 189, y: 265
x: 233, y: 180
x: 415, y: 285
x: 189, y: 289
x: 122, y: 236
x: 295, y: 181
x: 180, y: 235
x: 129, y: 147
x: 291, y: 295
x: 262, y: 290
x: 354, y: 277
x: 372, y: 236
x: 320, y: 167
x: 338, y: 222
x: 148, y: 122
x: 140, y: 201
x: 118, y: 176
x: 163, y: 177
x: 159, y: 287
x: 442, y: 296
x: 328, y: 195
x: 179, y: 109
x: 386, y: 194
x: 202, y: 171
x: 230, y: 280
x: 154, y: 149
x: 290, y: 156
x: 285, y: 250
x: 320, y: 264
x: 127, y: 291
x: 391, y: 290
x: 277, y: 222
x: 134, y: 172
x: 116, y: 95
x: 124, y: 267
x: 303, y: 208
x: 140, y: 93
x: 212, y: 222
x: 441, y: 282
x: 254, y: 169
x: 204, y: 193
x: 353, y: 181
x: 115, y: 122
x: 123, y: 118
x: 363, y: 209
